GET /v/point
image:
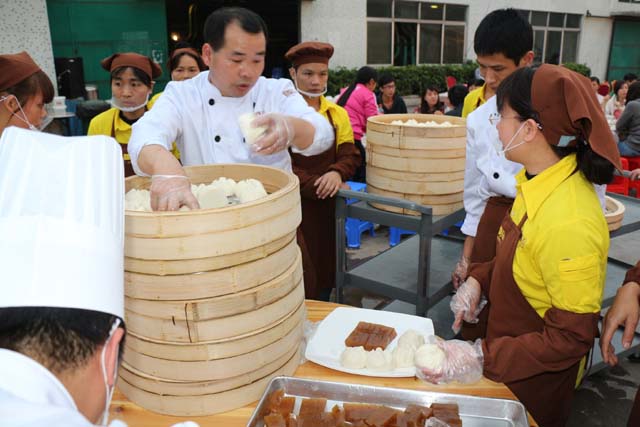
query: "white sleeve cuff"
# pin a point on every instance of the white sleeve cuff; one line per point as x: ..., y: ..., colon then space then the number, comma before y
x: 323, y: 137
x: 470, y: 226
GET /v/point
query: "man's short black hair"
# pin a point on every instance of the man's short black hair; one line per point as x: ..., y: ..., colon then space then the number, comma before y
x: 58, y: 338
x: 385, y: 79
x: 456, y: 94
x: 217, y: 23
x: 629, y: 77
x: 595, y: 79
x: 505, y: 31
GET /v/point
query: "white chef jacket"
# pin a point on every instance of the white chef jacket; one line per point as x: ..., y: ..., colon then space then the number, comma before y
x: 486, y: 174
x: 30, y: 395
x: 204, y: 124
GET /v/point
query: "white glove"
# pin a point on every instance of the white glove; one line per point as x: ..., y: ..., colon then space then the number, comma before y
x: 171, y: 192
x: 467, y: 303
x: 463, y: 362
x: 278, y: 136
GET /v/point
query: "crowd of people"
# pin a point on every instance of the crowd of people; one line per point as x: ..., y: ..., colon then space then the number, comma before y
x: 539, y: 153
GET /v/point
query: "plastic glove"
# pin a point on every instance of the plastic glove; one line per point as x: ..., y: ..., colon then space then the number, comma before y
x: 460, y: 272
x: 467, y: 303
x: 170, y: 192
x: 277, y: 137
x: 463, y: 362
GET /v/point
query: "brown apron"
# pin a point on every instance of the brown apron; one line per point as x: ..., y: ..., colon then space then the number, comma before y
x: 546, y: 396
x: 484, y: 249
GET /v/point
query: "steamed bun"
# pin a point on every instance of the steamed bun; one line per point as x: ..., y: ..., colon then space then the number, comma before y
x: 402, y: 357
x: 137, y: 200
x: 411, y: 340
x: 250, y: 133
x: 379, y: 360
x: 249, y: 189
x: 211, y: 197
x: 354, y: 358
x: 430, y: 357
x: 227, y: 185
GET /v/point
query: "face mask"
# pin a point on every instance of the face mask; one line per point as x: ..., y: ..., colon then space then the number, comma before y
x: 509, y: 147
x: 24, y: 119
x: 309, y: 94
x: 108, y: 390
x: 115, y: 103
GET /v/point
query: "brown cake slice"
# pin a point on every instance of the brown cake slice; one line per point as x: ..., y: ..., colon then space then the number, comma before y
x: 370, y: 336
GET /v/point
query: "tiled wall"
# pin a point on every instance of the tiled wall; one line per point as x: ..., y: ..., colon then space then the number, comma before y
x: 25, y: 26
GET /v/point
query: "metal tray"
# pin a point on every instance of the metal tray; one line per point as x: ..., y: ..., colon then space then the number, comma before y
x: 474, y: 411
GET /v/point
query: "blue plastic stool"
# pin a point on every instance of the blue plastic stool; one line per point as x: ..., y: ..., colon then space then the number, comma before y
x: 457, y: 224
x: 354, y: 227
x: 396, y: 233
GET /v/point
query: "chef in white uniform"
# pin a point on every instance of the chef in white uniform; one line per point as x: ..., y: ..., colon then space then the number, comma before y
x: 61, y: 281
x: 201, y: 114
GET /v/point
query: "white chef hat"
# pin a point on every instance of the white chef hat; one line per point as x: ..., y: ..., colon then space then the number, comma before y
x: 61, y: 222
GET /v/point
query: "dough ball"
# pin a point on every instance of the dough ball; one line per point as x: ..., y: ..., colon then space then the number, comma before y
x: 137, y: 200
x: 430, y: 357
x: 227, y: 185
x: 379, y: 360
x: 211, y: 197
x: 402, y: 357
x: 354, y: 358
x: 250, y: 189
x: 411, y: 340
x: 250, y: 133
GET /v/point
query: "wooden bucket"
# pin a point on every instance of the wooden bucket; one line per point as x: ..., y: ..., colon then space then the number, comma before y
x: 214, y: 298
x: 614, y: 213
x: 422, y: 164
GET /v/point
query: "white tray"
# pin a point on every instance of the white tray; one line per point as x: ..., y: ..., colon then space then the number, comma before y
x: 327, y: 344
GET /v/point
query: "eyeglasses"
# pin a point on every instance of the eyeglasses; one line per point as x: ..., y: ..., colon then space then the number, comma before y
x: 495, y: 118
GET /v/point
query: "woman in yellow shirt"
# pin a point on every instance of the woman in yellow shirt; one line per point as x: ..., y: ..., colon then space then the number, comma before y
x: 545, y: 285
x: 132, y: 82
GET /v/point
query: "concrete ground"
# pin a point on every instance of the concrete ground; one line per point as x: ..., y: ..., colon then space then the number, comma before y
x: 605, y: 397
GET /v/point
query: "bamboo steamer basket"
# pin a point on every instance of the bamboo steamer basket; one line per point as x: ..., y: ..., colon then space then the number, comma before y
x: 422, y: 164
x: 614, y: 213
x: 214, y: 298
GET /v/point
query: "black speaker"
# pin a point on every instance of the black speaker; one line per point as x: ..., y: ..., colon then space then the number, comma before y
x: 70, y: 74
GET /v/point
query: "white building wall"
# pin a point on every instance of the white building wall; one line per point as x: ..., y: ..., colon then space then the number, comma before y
x: 594, y: 44
x: 343, y: 23
x: 25, y: 26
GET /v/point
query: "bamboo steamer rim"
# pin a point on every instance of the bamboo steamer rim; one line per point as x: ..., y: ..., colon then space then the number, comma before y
x: 290, y: 182
x: 208, y: 404
x: 382, y: 123
x: 614, y: 207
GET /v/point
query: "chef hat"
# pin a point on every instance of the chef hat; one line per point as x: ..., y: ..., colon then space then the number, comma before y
x: 14, y: 68
x: 309, y: 52
x: 569, y: 111
x: 61, y: 222
x: 130, y: 59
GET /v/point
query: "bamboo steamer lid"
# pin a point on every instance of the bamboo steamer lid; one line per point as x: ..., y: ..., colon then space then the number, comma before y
x: 208, y: 404
x: 422, y: 164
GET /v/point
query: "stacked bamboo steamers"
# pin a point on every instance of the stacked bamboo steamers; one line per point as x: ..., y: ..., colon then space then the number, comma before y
x: 214, y: 297
x: 422, y: 164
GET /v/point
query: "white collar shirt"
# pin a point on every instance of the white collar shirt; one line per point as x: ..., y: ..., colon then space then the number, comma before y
x: 204, y: 124
x: 30, y: 395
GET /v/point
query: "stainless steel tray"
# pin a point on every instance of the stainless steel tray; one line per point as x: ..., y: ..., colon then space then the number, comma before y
x: 474, y: 411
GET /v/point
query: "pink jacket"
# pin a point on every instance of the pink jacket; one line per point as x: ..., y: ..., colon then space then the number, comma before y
x: 360, y: 106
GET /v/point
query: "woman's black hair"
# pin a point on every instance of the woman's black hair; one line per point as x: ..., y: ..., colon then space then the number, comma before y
x: 515, y: 91
x: 364, y: 76
x: 634, y: 92
x: 424, y: 105
x: 140, y: 75
x: 385, y: 79
x: 617, y: 86
x: 174, y: 60
x: 36, y: 83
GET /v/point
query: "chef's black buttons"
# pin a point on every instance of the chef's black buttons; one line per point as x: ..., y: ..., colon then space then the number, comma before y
x: 217, y: 138
x: 212, y: 101
x: 496, y: 175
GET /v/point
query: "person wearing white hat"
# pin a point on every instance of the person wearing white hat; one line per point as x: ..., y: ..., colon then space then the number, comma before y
x: 61, y: 278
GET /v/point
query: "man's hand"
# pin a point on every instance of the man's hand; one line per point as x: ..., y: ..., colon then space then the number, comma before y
x: 460, y: 272
x: 328, y: 184
x: 277, y: 137
x: 467, y: 303
x: 171, y: 192
x: 624, y: 311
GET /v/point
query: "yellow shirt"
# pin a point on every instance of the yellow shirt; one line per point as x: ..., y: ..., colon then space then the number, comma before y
x: 109, y: 123
x: 340, y: 118
x: 561, y: 260
x: 473, y: 100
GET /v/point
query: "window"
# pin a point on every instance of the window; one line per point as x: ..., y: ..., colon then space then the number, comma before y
x: 408, y: 32
x: 555, y: 36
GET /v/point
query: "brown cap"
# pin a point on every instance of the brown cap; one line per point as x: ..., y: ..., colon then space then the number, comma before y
x: 569, y: 110
x: 14, y: 68
x: 130, y: 59
x: 309, y: 52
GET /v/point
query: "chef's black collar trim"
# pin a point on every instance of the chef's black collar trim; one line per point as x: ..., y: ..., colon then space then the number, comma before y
x: 529, y: 176
x: 129, y: 121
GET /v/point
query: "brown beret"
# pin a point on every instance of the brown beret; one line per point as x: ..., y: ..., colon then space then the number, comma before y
x: 569, y: 110
x: 309, y: 52
x: 14, y: 68
x: 130, y: 59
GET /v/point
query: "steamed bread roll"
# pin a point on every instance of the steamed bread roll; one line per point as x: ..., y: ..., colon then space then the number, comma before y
x: 250, y: 133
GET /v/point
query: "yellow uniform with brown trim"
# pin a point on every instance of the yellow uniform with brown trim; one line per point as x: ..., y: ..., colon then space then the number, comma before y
x: 473, y: 100
x: 561, y: 260
x: 339, y: 119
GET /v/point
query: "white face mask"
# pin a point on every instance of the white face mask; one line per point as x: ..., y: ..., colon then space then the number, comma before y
x: 108, y: 390
x: 45, y: 122
x: 309, y: 94
x: 510, y: 147
x: 116, y: 103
